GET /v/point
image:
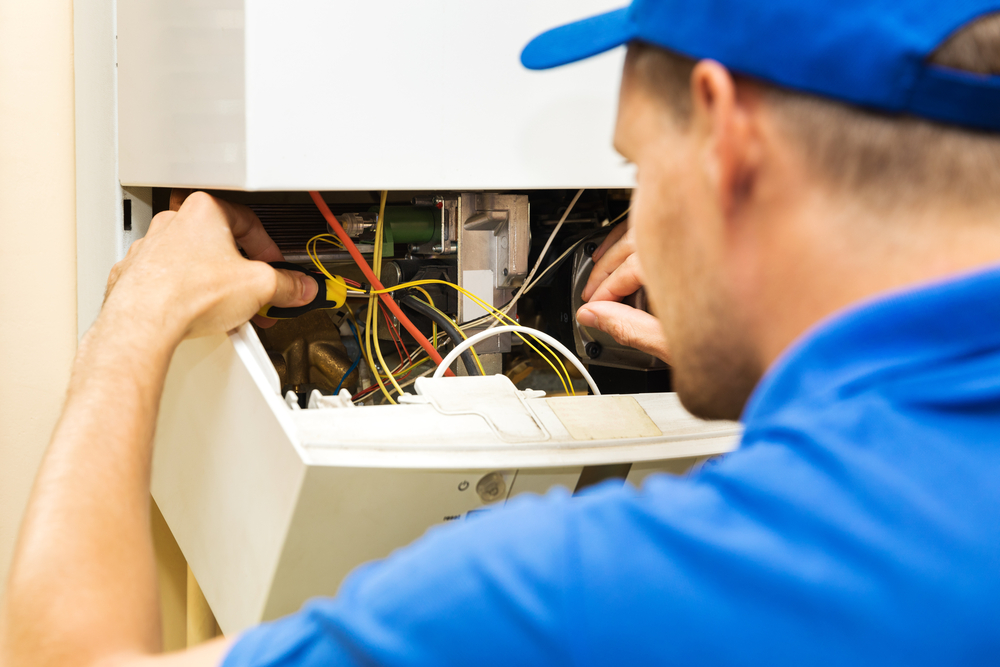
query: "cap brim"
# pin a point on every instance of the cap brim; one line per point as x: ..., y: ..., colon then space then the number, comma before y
x: 579, y: 40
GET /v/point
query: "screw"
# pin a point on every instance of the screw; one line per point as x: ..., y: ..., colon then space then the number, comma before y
x: 505, y: 271
x: 589, y: 248
x: 593, y: 349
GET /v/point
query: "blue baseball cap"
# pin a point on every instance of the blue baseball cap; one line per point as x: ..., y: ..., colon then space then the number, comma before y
x: 870, y: 53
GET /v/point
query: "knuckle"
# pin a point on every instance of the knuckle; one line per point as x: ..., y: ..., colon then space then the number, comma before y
x: 622, y: 331
x: 633, y: 266
x: 626, y: 335
x: 619, y: 285
x: 159, y: 220
x: 267, y: 280
x: 200, y: 201
x: 298, y: 289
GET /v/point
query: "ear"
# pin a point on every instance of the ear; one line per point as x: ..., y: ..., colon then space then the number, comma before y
x: 724, y: 119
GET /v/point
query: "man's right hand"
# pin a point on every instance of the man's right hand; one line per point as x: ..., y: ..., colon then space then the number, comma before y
x: 187, y: 277
x: 616, y: 275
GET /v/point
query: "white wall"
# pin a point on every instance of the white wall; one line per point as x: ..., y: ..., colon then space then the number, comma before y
x: 37, y: 242
x: 98, y: 196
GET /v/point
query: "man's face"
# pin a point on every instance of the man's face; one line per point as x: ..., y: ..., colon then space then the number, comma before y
x: 682, y: 241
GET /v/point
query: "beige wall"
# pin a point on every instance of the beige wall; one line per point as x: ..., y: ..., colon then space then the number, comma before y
x: 37, y: 241
x: 172, y: 570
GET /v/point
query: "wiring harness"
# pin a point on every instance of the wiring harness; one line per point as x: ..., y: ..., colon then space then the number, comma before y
x: 380, y: 299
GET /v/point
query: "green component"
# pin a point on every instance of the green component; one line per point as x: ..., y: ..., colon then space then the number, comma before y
x: 412, y: 224
x: 388, y: 241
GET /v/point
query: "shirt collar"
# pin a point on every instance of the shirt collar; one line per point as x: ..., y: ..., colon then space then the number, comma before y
x: 896, y: 332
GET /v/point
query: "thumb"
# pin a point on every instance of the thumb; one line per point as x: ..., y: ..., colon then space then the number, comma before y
x: 293, y: 289
x: 627, y: 325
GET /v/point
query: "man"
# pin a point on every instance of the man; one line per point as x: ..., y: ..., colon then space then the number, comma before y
x: 825, y: 272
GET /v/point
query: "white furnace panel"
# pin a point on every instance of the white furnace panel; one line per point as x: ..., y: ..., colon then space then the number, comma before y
x: 381, y: 94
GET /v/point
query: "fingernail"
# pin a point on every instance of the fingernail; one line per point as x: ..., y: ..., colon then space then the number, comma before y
x: 587, y: 293
x: 586, y: 318
x: 309, y: 288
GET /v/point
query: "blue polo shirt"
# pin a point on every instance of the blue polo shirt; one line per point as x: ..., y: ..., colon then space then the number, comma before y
x: 858, y: 523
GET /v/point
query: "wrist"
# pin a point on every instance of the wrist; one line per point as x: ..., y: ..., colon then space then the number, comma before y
x: 124, y: 355
x: 135, y: 328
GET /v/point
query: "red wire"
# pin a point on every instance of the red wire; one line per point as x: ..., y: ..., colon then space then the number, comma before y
x: 392, y: 335
x: 403, y: 355
x: 374, y: 387
x: 396, y: 336
x: 376, y: 284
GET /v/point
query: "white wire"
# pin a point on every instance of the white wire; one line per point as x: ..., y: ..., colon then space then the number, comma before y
x: 479, y: 321
x: 545, y: 249
x: 556, y: 263
x: 483, y: 335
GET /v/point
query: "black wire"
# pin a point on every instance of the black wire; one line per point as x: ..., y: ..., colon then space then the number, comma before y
x: 443, y: 322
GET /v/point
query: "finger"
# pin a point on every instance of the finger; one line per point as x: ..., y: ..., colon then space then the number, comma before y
x: 612, y: 238
x: 623, y: 281
x: 263, y: 322
x: 610, y: 260
x: 292, y: 289
x: 244, y: 225
x: 628, y: 326
x: 250, y: 233
x: 177, y: 197
x: 159, y: 221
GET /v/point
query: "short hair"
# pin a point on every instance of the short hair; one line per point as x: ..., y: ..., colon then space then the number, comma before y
x: 887, y: 160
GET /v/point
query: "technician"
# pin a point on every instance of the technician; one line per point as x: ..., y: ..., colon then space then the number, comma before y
x: 817, y: 222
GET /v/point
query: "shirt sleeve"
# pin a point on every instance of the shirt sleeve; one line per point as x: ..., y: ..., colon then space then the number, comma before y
x: 488, y: 591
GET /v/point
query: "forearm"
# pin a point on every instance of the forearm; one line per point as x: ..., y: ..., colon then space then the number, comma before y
x: 82, y: 589
x: 83, y: 583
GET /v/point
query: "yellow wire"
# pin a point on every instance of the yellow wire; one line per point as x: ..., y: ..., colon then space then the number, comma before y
x: 500, y: 316
x: 434, y: 326
x: 313, y: 254
x: 623, y: 214
x: 373, y: 303
x: 430, y: 303
x: 371, y: 331
x: 419, y: 363
x: 350, y: 313
x: 357, y: 327
x: 402, y: 371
